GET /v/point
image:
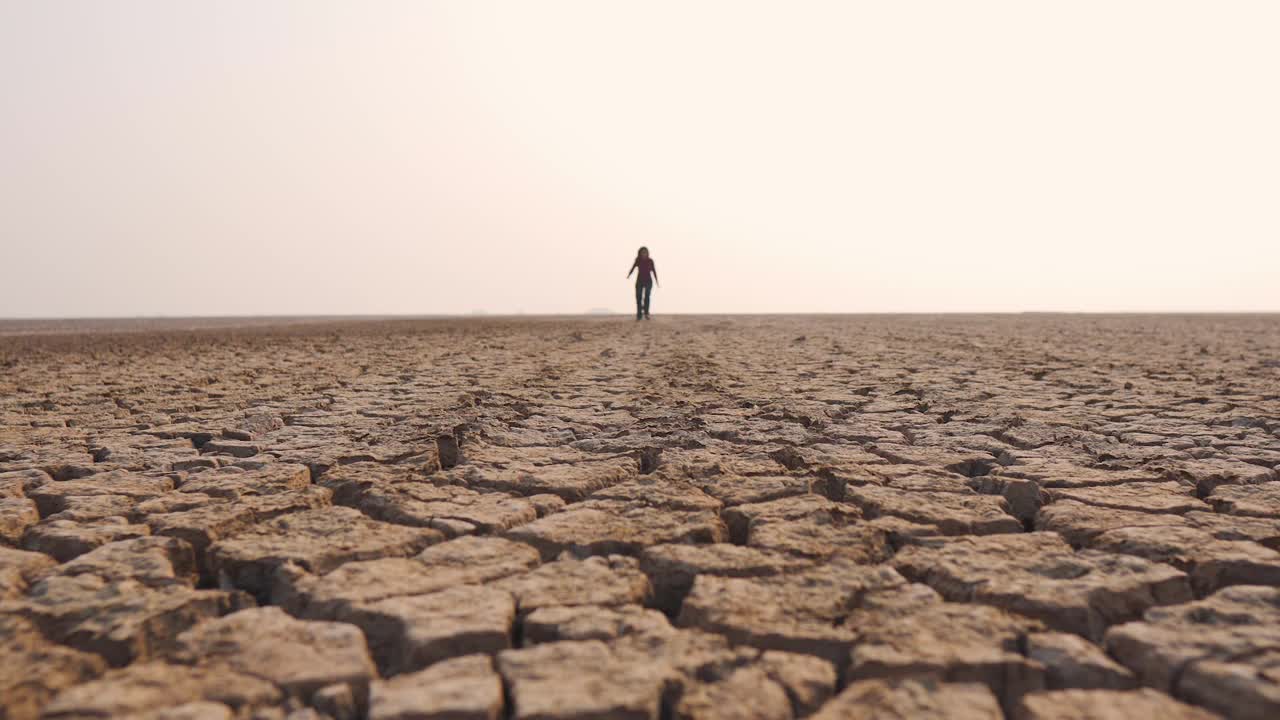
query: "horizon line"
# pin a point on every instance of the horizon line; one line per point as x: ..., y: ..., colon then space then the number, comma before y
x: 478, y: 314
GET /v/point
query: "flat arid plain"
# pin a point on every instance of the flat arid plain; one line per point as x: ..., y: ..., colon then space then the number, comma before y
x: 1022, y: 516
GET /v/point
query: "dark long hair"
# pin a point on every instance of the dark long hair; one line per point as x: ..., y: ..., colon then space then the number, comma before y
x: 642, y: 252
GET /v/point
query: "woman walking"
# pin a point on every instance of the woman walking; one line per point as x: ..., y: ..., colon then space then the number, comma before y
x: 647, y: 276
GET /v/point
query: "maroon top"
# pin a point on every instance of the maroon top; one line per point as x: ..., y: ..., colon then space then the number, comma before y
x: 645, y: 266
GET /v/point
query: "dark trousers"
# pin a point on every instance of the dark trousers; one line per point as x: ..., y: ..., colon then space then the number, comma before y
x: 643, y: 291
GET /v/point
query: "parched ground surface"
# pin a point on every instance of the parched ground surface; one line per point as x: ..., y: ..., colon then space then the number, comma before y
x: 830, y: 517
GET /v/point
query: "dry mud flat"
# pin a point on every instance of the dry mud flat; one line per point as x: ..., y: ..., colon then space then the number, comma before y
x: 1029, y: 517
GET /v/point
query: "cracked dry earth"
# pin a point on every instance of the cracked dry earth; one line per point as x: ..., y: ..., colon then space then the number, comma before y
x: 1033, y: 517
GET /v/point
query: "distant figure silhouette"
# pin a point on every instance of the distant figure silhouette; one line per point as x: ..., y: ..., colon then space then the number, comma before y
x: 647, y: 276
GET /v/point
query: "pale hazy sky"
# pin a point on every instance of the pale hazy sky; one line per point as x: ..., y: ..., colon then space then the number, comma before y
x: 270, y: 157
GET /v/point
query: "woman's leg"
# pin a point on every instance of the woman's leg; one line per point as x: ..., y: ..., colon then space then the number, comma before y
x: 648, y: 290
x: 639, y: 301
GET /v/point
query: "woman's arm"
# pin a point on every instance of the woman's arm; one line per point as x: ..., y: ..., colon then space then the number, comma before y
x: 634, y: 265
x: 655, y: 276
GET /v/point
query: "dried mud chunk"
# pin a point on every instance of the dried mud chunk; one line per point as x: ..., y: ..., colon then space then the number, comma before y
x: 16, y: 483
x: 1212, y: 473
x: 553, y: 624
x: 258, y: 424
x: 174, y: 502
x: 394, y: 498
x: 75, y: 466
x: 1038, y: 575
x: 1264, y: 531
x: 1025, y: 497
x: 658, y: 492
x: 546, y: 504
x: 599, y: 528
x: 121, y: 620
x: 87, y: 508
x: 234, y: 448
x: 902, y: 532
x: 1028, y: 437
x: 16, y: 515
x: 66, y: 539
x: 316, y: 540
x: 204, y: 525
x: 820, y: 538
x: 144, y: 456
x: 465, y: 688
x: 946, y: 642
x: 1149, y: 497
x: 152, y: 561
x: 156, y: 686
x: 732, y: 490
x: 691, y: 657
x: 953, y: 513
x: 270, y: 480
x: 1255, y: 455
x: 1261, y: 500
x: 1123, y: 457
x: 567, y: 680
x: 20, y: 568
x: 801, y: 612
x: 741, y: 519
x: 826, y: 456
x: 1051, y: 474
x: 448, y: 451
x: 1105, y: 705
x: 1070, y: 661
x: 497, y: 456
x: 297, y: 656
x: 672, y: 568
x: 570, y: 482
x: 1237, y: 690
x: 194, y: 465
x: 599, y: 580
x: 336, y: 701
x: 747, y: 692
x: 273, y: 505
x: 808, y: 681
x: 52, y: 497
x: 173, y: 430
x: 914, y: 478
x: 1080, y: 524
x: 410, y: 633
x: 1212, y: 564
x: 922, y: 699
x: 465, y: 561
x: 970, y: 463
x: 1222, y: 653
x: 34, y: 670
x: 420, y: 453
x: 694, y: 461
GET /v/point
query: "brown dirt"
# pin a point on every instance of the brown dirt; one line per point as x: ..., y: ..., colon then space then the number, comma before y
x: 693, y: 517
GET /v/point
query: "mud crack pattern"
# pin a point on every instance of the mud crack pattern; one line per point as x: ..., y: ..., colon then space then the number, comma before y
x: 832, y: 517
